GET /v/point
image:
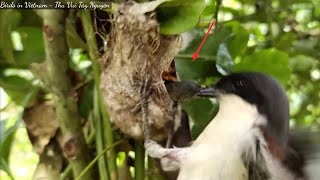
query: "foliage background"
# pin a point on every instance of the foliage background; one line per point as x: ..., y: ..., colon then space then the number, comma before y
x: 280, y: 38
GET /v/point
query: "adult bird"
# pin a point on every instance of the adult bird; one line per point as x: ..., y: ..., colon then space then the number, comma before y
x: 247, y: 139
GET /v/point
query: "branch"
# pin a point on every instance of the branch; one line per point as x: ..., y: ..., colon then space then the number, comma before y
x: 53, y: 73
x: 218, y: 3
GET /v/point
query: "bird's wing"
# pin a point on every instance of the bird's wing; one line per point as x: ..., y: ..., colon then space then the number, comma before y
x: 306, y: 144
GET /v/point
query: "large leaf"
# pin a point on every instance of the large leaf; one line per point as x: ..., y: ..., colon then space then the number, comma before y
x: 269, y: 61
x: 178, y: 16
x: 232, y: 34
x: 222, y: 45
x: 201, y: 111
x: 211, y: 45
x: 196, y: 70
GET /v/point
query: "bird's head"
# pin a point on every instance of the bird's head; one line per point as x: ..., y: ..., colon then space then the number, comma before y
x: 261, y: 91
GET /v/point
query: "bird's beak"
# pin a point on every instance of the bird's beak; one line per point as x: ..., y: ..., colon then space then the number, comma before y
x: 209, y: 92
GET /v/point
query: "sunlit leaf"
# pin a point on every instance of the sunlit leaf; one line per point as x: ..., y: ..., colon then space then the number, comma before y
x: 178, y: 16
x: 209, y: 10
x: 224, y: 61
x: 16, y: 87
x: 5, y: 167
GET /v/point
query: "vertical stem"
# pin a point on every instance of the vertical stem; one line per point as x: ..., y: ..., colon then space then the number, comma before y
x: 93, y: 53
x: 153, y: 169
x: 139, y: 170
x: 54, y: 75
x: 218, y: 3
x: 100, y: 143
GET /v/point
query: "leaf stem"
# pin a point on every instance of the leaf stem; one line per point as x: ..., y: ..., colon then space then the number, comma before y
x: 97, y: 157
x: 139, y: 170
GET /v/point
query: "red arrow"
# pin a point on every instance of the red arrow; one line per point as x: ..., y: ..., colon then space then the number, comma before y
x: 196, y: 54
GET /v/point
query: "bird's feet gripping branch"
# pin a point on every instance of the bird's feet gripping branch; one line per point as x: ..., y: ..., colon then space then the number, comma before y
x: 170, y: 157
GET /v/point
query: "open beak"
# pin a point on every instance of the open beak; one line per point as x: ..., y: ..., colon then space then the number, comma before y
x: 209, y: 92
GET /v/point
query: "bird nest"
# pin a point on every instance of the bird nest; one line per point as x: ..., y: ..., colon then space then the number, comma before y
x: 136, y: 51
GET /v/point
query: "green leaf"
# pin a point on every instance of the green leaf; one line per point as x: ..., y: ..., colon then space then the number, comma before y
x: 6, y: 47
x: 285, y: 41
x: 33, y: 46
x: 188, y: 69
x: 4, y: 166
x: 16, y: 87
x: 73, y: 38
x: 224, y: 62
x: 209, y: 10
x: 86, y: 100
x: 211, y: 45
x: 269, y: 61
x: 6, y: 140
x: 7, y: 137
x: 237, y: 41
x: 178, y: 16
x: 30, y: 19
x: 201, y: 111
x: 302, y: 64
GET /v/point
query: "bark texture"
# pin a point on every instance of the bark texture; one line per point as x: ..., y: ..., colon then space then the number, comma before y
x: 54, y: 75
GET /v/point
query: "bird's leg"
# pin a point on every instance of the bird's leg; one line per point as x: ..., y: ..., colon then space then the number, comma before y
x: 169, y: 139
x: 145, y: 94
x: 171, y: 124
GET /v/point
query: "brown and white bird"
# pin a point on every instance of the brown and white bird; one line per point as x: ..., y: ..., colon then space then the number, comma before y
x: 247, y: 139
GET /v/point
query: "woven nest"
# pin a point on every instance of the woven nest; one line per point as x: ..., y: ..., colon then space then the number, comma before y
x: 136, y: 49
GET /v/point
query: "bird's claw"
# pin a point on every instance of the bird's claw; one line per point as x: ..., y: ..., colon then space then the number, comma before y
x: 154, y: 149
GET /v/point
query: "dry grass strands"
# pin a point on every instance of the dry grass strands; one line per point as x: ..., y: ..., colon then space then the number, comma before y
x: 137, y: 50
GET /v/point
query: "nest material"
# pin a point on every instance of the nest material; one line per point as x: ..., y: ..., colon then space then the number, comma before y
x: 136, y: 49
